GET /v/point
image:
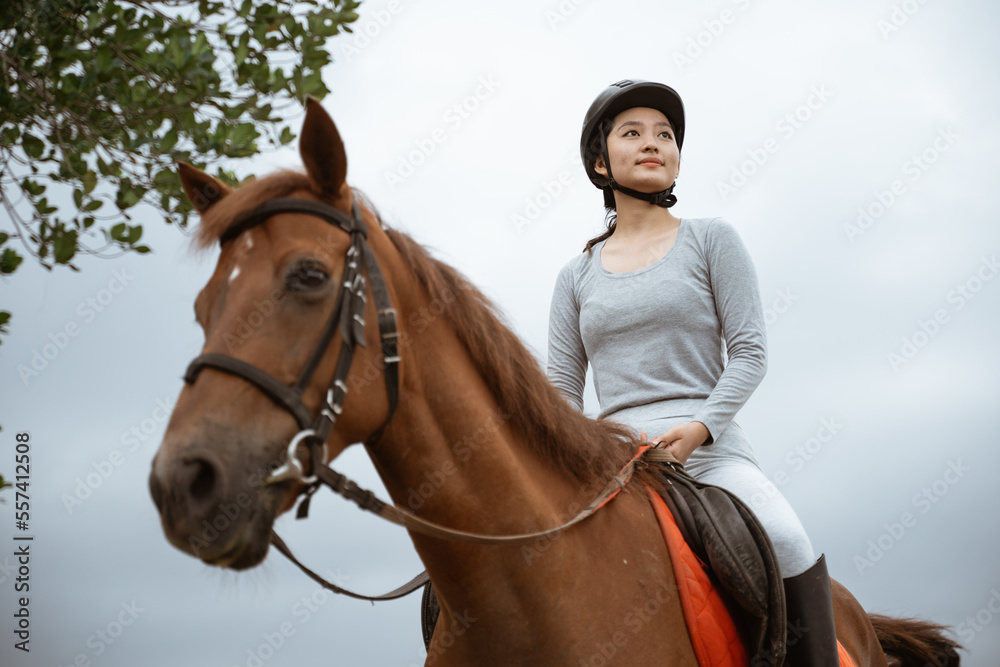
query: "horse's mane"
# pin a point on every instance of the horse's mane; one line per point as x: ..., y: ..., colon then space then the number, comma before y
x: 588, y: 449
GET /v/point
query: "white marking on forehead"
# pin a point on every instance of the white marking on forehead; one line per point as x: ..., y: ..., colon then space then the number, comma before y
x: 236, y: 272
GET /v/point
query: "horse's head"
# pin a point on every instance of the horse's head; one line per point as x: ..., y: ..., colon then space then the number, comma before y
x: 266, y: 309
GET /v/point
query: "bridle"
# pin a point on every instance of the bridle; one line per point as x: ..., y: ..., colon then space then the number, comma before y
x: 348, y: 318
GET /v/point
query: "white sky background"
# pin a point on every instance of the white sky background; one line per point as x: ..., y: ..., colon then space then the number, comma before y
x: 846, y: 305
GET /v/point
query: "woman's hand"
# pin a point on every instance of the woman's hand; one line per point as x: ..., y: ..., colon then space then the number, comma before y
x: 682, y: 439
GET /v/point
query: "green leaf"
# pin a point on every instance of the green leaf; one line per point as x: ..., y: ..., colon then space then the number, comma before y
x: 93, y: 205
x: 200, y: 45
x: 103, y: 58
x: 10, y: 135
x: 313, y: 85
x: 76, y: 164
x: 141, y: 249
x: 169, y: 140
x: 89, y: 181
x: 64, y: 247
x: 243, y: 133
x: 33, y: 188
x: 240, y: 54
x: 32, y: 145
x: 286, y: 136
x: 134, y: 234
x: 42, y: 205
x: 117, y: 232
x: 9, y: 260
x: 128, y: 196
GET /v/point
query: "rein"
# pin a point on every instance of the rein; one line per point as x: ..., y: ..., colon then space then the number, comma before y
x: 348, y: 319
x: 367, y: 500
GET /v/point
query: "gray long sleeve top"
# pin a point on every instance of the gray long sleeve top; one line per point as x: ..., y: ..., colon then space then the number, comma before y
x: 657, y: 334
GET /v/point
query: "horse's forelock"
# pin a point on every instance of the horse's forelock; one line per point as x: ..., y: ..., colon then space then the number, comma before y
x: 216, y: 220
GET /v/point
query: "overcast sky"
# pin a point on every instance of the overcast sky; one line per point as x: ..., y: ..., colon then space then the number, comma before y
x: 803, y: 119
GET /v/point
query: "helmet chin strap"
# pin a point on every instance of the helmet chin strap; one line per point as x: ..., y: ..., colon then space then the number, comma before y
x: 663, y: 198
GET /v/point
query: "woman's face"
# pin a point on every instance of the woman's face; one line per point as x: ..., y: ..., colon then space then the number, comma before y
x: 643, y: 153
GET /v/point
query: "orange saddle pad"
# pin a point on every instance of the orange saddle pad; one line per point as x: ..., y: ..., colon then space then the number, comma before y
x: 714, y: 635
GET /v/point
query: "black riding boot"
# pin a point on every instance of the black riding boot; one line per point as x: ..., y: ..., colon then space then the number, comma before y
x: 812, y: 637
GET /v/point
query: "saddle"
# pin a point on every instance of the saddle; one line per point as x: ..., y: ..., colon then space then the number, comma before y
x: 725, y: 534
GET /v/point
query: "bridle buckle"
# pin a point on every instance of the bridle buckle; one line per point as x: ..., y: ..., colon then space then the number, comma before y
x: 389, y: 332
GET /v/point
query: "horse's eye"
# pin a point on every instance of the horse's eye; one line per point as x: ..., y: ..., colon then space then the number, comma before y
x: 306, y: 275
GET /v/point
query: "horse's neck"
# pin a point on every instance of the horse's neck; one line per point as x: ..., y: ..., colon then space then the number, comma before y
x: 457, y: 457
x: 453, y: 457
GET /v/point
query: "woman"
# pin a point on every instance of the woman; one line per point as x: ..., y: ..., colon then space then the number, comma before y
x: 649, y: 305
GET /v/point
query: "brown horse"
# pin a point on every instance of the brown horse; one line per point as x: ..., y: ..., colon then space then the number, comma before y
x: 480, y: 441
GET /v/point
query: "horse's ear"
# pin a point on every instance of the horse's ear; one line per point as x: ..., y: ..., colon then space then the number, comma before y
x: 202, y: 189
x: 322, y: 150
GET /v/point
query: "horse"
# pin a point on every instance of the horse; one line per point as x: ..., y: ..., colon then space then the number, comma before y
x: 471, y: 435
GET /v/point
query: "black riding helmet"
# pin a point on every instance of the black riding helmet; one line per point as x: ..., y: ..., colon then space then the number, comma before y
x: 614, y: 99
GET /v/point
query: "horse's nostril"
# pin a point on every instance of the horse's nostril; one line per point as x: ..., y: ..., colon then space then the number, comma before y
x: 203, y: 482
